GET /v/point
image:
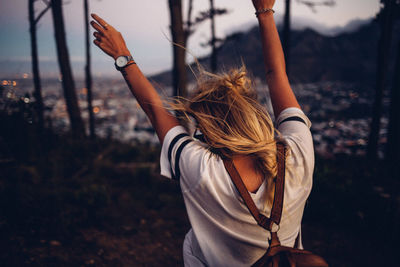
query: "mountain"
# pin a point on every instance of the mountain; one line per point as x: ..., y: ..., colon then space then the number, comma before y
x: 349, y: 56
x: 302, y: 23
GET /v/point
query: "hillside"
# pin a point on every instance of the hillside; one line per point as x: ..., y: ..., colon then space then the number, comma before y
x: 347, y: 57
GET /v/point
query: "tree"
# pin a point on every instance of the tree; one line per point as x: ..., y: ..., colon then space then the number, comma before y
x: 214, y: 40
x: 33, y: 21
x: 385, y: 18
x: 393, y: 143
x: 179, y: 39
x: 77, y: 126
x: 88, y: 74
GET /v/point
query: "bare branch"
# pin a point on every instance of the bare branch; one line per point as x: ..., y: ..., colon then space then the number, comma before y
x: 204, y: 15
x: 43, y: 12
x: 313, y: 4
x: 188, y: 29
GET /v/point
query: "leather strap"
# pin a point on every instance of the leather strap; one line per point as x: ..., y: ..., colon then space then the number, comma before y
x: 237, y: 180
x: 276, y: 212
x: 277, y: 207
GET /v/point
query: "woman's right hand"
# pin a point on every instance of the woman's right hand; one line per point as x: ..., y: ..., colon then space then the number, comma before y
x: 263, y: 4
x: 108, y: 38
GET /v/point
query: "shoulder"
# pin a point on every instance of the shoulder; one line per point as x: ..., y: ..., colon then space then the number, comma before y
x: 294, y: 128
x: 185, y: 158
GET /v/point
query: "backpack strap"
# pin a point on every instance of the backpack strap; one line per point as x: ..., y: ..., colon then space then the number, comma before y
x: 277, y: 207
x: 276, y: 212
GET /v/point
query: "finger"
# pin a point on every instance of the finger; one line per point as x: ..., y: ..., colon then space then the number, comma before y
x: 99, y: 36
x: 102, y: 39
x: 101, y: 21
x: 103, y: 47
x: 97, y: 27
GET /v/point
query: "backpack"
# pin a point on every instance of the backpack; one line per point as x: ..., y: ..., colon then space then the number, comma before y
x: 276, y: 255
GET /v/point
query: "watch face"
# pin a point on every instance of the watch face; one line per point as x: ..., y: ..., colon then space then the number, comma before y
x: 121, y: 61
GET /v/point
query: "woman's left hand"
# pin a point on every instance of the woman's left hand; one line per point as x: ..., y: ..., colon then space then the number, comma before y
x: 108, y: 38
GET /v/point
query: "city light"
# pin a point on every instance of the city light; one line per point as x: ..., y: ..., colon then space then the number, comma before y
x: 25, y: 76
x: 96, y: 109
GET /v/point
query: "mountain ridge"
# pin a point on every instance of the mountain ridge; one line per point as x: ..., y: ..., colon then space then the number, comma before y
x: 348, y: 57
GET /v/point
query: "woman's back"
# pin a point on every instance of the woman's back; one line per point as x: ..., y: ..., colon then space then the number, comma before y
x: 247, y: 169
x: 223, y: 231
x: 234, y: 125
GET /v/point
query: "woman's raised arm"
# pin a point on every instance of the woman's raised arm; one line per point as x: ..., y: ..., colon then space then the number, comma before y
x: 280, y: 91
x: 112, y: 43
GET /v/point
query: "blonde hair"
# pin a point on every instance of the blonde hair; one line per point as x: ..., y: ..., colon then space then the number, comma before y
x: 233, y: 122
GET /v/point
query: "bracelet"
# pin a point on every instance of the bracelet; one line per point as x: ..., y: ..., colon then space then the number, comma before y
x: 264, y: 10
x: 130, y: 63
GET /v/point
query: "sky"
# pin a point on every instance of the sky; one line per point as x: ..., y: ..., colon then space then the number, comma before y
x: 145, y: 26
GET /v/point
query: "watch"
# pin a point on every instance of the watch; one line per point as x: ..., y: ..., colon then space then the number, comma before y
x: 122, y: 61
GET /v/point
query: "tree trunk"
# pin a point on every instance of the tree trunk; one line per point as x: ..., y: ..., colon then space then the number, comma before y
x: 178, y: 39
x: 393, y: 144
x: 88, y: 73
x: 286, y: 35
x: 214, y: 54
x: 77, y: 127
x: 35, y: 68
x: 385, y: 39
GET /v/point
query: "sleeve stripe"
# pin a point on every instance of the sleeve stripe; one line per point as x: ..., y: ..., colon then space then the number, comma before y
x: 294, y: 118
x: 173, y: 142
x: 177, y: 157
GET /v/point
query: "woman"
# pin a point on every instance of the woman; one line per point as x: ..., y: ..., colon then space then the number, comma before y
x: 234, y: 126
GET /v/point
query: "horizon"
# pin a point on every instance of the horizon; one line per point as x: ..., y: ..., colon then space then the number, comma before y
x: 152, y: 48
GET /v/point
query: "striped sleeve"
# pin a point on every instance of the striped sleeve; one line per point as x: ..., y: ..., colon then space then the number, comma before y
x: 292, y: 114
x: 174, y: 142
x: 294, y: 127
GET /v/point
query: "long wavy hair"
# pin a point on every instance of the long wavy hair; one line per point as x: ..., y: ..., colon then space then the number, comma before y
x: 233, y: 122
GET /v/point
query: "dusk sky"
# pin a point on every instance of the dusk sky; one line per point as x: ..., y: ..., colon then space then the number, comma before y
x: 145, y: 27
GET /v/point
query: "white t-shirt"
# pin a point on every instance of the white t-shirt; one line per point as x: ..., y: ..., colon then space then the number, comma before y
x: 224, y: 233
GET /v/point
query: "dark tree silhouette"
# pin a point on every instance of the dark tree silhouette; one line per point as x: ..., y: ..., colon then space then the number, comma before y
x: 179, y: 38
x: 188, y: 29
x: 35, y: 61
x: 214, y: 54
x: 88, y: 74
x: 214, y: 40
x: 393, y: 144
x: 77, y: 126
x: 385, y: 19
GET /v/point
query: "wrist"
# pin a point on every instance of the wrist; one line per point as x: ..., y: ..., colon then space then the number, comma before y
x: 264, y: 11
x: 123, y: 61
x: 122, y: 53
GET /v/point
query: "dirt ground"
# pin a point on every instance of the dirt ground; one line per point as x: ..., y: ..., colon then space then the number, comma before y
x: 144, y: 225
